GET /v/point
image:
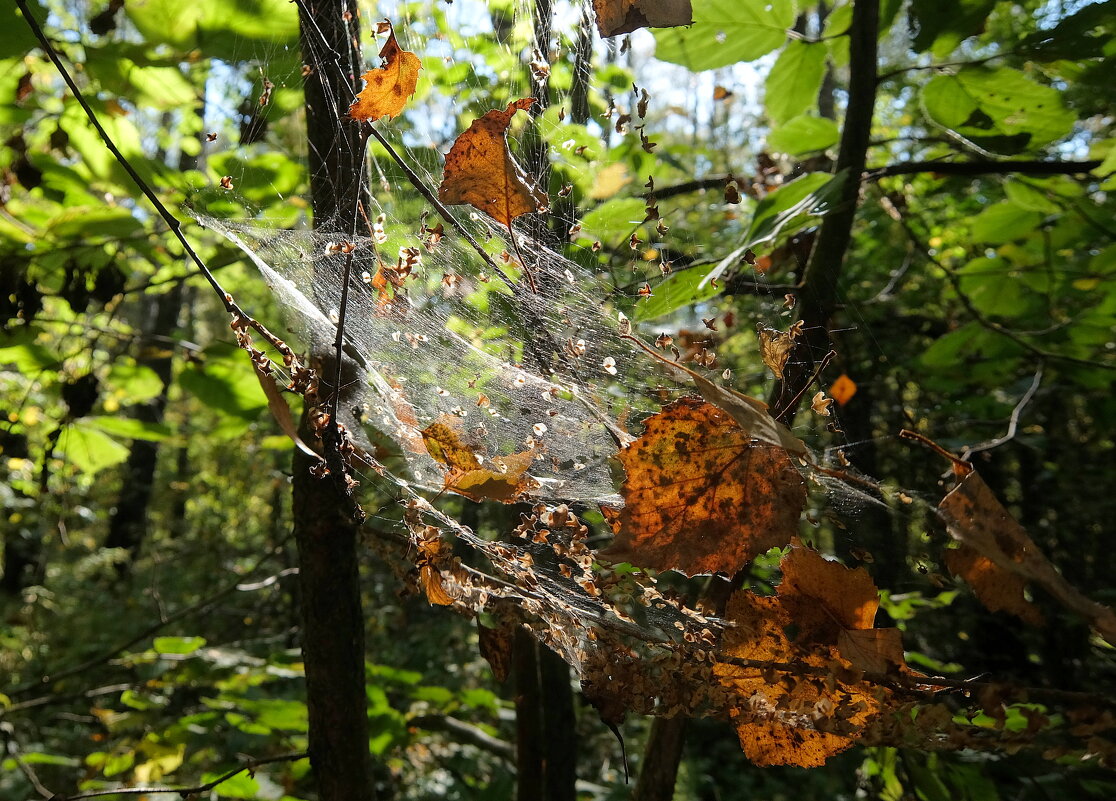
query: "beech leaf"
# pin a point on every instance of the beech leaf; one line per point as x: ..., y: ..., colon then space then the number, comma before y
x: 387, y: 88
x: 702, y: 495
x: 481, y: 172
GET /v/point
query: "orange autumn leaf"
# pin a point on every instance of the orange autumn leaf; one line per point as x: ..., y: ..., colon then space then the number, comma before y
x: 998, y: 589
x: 387, y: 88
x: 783, y: 718
x: 481, y: 172
x: 994, y: 548
x: 842, y: 390
x: 703, y: 496
x: 834, y: 605
x: 624, y: 16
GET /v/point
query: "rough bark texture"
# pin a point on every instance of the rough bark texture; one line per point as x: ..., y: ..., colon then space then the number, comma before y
x: 326, y: 535
x: 818, y: 296
x: 546, y: 740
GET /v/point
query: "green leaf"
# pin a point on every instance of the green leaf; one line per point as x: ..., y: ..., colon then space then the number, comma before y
x: 224, y: 29
x: 998, y: 108
x: 614, y: 219
x: 940, y: 27
x: 683, y: 288
x: 88, y: 449
x: 241, y: 785
x: 133, y: 383
x: 802, y: 135
x: 225, y: 382
x: 130, y: 428
x: 794, y: 82
x: 177, y: 645
x: 1005, y: 222
x: 808, y: 194
x: 992, y: 288
x: 18, y: 349
x: 725, y: 32
x: 280, y: 713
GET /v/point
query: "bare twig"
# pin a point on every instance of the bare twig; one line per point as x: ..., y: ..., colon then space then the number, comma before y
x: 1013, y: 422
x: 186, y: 792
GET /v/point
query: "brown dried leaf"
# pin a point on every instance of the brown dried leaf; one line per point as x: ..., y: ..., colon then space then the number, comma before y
x: 775, y: 348
x: 624, y: 16
x: 702, y: 495
x: 503, y: 478
x: 387, y: 88
x: 481, y: 172
x: 998, y: 589
x: 797, y: 720
x: 496, y: 648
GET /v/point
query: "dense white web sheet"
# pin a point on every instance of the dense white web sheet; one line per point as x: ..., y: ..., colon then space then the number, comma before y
x: 511, y: 369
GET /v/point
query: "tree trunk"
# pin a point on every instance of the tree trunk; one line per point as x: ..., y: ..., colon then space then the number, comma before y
x: 325, y: 533
x: 128, y: 523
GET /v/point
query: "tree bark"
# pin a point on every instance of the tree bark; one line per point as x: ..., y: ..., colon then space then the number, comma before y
x: 325, y: 532
x: 818, y: 296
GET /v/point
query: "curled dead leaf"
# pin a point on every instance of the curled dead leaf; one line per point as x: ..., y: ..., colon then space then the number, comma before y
x: 388, y: 87
x: 481, y: 172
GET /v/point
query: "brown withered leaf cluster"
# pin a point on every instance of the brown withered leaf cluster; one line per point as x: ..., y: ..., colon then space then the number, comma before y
x: 388, y: 87
x: 703, y: 496
x: 784, y: 717
x: 501, y: 478
x: 481, y: 171
x: 615, y: 17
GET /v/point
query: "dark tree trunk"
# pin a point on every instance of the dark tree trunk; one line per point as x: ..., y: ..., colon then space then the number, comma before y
x: 546, y: 741
x: 325, y: 533
x: 128, y: 523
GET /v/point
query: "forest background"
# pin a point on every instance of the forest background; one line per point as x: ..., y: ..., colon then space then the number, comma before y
x: 923, y: 185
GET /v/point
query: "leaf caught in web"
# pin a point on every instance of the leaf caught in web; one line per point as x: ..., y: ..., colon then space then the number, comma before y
x: 835, y: 605
x: 842, y: 390
x: 793, y: 718
x: 503, y: 478
x: 387, y: 88
x: 481, y: 172
x: 702, y: 495
x: 775, y: 348
x: 624, y: 16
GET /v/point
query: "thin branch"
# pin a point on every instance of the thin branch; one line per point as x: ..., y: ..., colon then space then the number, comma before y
x: 204, y: 604
x: 186, y: 792
x: 983, y: 167
x: 1013, y: 422
x: 466, y: 733
x: 172, y: 221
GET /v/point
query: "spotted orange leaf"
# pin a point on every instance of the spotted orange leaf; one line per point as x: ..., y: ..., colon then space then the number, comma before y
x: 481, y: 172
x: 388, y: 87
x: 784, y: 718
x: 703, y: 496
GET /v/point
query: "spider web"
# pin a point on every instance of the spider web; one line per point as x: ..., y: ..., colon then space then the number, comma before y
x: 514, y: 363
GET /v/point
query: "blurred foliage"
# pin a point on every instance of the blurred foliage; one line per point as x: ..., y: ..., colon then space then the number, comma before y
x: 957, y: 292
